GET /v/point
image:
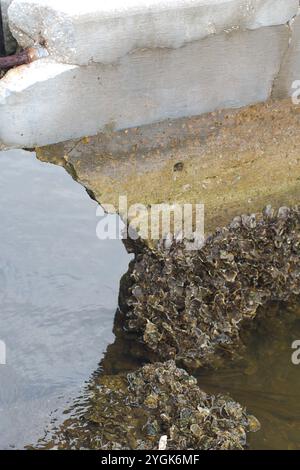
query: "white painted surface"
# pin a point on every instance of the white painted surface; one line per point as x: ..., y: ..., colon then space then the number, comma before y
x: 81, y: 32
x: 48, y: 102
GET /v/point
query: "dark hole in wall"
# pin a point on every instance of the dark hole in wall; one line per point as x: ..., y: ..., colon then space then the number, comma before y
x: 2, y: 44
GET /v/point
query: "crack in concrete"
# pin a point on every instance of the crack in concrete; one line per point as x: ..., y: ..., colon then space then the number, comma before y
x: 276, y: 77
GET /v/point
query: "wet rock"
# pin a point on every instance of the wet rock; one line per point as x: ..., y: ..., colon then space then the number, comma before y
x: 135, y: 411
x: 253, y: 423
x: 192, y: 304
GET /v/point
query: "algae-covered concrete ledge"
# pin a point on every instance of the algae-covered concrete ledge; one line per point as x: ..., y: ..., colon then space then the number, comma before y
x: 233, y: 162
x: 126, y: 64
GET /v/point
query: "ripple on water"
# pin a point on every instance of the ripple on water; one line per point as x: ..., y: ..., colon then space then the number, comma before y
x: 58, y: 293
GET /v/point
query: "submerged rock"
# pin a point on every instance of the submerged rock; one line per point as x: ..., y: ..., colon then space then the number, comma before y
x: 190, y: 305
x: 135, y: 411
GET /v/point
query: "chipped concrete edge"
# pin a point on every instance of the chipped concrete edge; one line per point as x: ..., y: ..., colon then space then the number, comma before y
x: 94, y: 32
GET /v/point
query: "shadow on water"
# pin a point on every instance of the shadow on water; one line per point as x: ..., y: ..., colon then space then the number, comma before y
x: 59, y: 289
x: 265, y: 380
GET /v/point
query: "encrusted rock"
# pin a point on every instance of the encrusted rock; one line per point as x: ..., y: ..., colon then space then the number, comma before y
x: 135, y: 411
x: 190, y: 305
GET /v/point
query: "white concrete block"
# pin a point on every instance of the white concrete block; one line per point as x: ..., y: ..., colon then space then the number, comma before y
x: 10, y: 43
x: 82, y: 32
x: 48, y: 102
x: 290, y: 69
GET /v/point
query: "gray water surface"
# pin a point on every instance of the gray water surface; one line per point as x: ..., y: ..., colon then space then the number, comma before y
x: 58, y: 293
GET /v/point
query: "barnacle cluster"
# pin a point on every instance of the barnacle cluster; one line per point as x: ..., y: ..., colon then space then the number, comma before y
x: 190, y: 305
x: 134, y: 411
x: 187, y: 307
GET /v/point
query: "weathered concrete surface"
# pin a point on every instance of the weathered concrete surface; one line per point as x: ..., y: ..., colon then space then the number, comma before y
x: 47, y: 102
x: 233, y: 161
x: 10, y: 43
x: 290, y: 69
x: 93, y: 31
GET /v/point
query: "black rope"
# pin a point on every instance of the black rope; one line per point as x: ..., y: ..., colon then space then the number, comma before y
x: 2, y: 43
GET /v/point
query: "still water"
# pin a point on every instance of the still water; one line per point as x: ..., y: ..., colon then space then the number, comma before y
x: 58, y: 296
x: 265, y: 379
x: 59, y: 289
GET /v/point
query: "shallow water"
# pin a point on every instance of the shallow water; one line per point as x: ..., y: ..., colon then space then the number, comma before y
x: 58, y: 294
x: 265, y: 380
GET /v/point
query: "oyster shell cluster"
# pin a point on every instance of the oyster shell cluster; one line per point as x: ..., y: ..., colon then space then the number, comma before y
x: 135, y: 411
x: 190, y: 305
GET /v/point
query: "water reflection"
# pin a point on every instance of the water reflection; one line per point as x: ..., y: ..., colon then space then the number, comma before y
x: 265, y: 379
x: 58, y: 293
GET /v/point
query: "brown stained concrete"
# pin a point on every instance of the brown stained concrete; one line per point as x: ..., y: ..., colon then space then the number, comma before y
x: 232, y: 161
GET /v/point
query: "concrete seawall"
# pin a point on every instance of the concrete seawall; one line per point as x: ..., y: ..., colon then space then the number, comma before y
x: 133, y: 63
